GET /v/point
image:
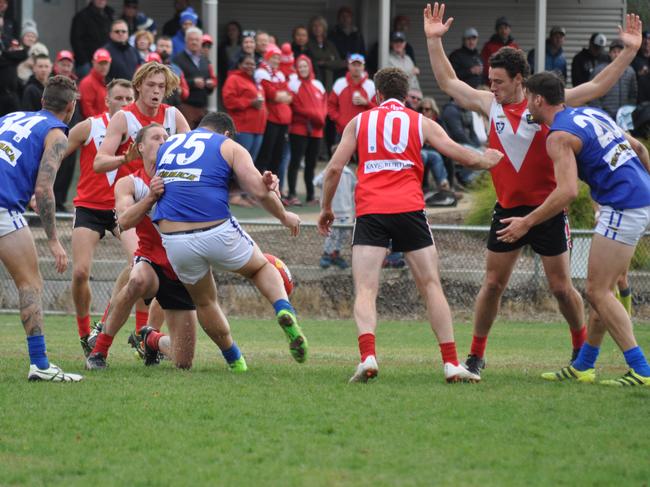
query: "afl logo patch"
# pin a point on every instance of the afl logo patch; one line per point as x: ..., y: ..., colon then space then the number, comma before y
x: 499, y: 126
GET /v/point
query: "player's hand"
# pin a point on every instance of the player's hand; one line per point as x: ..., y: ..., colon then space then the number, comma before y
x: 631, y: 35
x: 32, y: 204
x: 156, y: 188
x: 60, y: 257
x: 272, y: 182
x: 199, y: 83
x: 292, y: 222
x: 433, y: 25
x: 516, y: 227
x: 132, y: 153
x: 490, y: 158
x: 325, y: 220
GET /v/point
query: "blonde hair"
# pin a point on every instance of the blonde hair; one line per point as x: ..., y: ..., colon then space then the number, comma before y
x: 431, y: 102
x: 144, y: 33
x: 149, y: 69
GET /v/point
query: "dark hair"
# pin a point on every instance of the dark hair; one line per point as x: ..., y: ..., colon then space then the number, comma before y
x: 225, y: 38
x: 220, y: 122
x: 548, y: 85
x: 392, y: 83
x: 512, y: 60
x: 295, y: 29
x: 243, y: 56
x: 59, y: 91
x: 164, y: 38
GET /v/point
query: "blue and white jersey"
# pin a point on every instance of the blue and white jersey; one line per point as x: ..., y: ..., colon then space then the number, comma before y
x: 607, y: 162
x: 196, y: 178
x: 22, y: 141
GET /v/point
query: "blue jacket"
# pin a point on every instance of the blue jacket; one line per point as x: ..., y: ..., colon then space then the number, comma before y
x: 554, y: 62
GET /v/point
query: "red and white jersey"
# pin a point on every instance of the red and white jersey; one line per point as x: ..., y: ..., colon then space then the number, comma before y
x: 135, y: 120
x: 389, y: 140
x: 95, y: 190
x: 149, y: 241
x: 525, y: 175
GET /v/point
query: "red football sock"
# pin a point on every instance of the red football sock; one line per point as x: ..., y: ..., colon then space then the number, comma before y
x: 366, y: 345
x: 478, y: 346
x: 105, y: 315
x: 578, y: 337
x: 102, y: 344
x: 448, y: 351
x: 141, y: 318
x: 153, y: 338
x: 83, y: 325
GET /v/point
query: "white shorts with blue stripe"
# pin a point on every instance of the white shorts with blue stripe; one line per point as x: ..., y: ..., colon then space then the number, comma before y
x: 10, y: 221
x: 625, y: 226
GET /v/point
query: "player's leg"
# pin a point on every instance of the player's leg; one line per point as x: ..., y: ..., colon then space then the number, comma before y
x: 84, y: 242
x: 557, y: 269
x: 624, y: 292
x: 18, y: 255
x: 142, y: 283
x: 129, y: 241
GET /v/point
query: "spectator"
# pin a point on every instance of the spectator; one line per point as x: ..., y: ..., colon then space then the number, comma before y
x: 29, y: 34
x: 142, y: 22
x: 431, y: 158
x: 89, y: 31
x: 33, y: 91
x: 92, y: 89
x: 299, y: 40
x: 125, y: 57
x: 10, y: 57
x: 352, y: 94
x: 278, y: 101
x: 584, y: 63
x: 466, y: 60
x: 199, y: 75
x: 309, y: 108
x: 247, y: 46
x: 346, y: 36
x: 64, y: 65
x: 164, y: 50
x: 8, y: 26
x: 555, y: 60
x: 229, y: 49
x: 287, y: 61
x: 401, y: 23
x: 499, y: 39
x: 399, y: 59
x: 188, y: 19
x: 624, y: 92
x: 173, y: 25
x: 206, y: 45
x: 324, y: 54
x: 129, y: 14
x: 413, y: 99
x: 262, y: 41
x: 243, y: 97
x: 641, y: 65
x: 143, y: 42
x: 29, y: 40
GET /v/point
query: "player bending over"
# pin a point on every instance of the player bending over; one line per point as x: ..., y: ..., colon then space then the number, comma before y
x: 585, y: 143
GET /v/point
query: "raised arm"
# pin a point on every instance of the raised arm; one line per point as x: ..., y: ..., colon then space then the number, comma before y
x: 561, y: 148
x: 55, y: 146
x: 436, y: 137
x: 77, y: 136
x: 106, y: 160
x: 466, y: 96
x: 641, y: 151
x: 607, y: 78
x: 129, y: 211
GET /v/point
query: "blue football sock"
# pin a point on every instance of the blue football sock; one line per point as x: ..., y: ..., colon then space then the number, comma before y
x: 637, y: 361
x: 37, y: 351
x: 232, y: 353
x: 281, y: 304
x: 586, y: 357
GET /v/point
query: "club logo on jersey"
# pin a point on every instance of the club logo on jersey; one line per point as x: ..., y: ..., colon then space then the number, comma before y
x: 370, y: 167
x: 9, y: 153
x: 500, y: 126
x: 173, y: 176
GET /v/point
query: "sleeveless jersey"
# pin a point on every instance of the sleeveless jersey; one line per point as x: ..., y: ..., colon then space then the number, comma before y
x: 149, y: 242
x: 22, y: 142
x: 135, y: 120
x: 95, y: 190
x: 196, y: 178
x: 389, y: 140
x: 606, y: 162
x: 525, y: 175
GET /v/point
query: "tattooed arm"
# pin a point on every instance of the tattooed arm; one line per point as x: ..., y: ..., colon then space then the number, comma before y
x: 55, y: 146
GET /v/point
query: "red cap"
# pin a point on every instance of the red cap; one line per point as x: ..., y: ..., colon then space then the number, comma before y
x: 272, y: 50
x: 206, y: 39
x: 153, y: 56
x: 101, y: 55
x: 64, y: 55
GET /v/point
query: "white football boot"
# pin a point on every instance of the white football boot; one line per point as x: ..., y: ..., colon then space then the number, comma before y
x: 459, y: 373
x: 366, y: 370
x: 52, y: 374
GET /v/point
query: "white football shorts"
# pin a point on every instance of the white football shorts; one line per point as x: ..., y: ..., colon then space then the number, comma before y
x: 225, y: 247
x: 625, y: 226
x: 10, y: 221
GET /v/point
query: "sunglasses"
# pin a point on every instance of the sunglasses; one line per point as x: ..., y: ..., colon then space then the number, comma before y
x: 413, y: 97
x: 120, y: 31
x: 427, y: 109
x: 249, y: 33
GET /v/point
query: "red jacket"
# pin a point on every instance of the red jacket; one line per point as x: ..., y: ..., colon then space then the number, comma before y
x: 92, y: 94
x: 238, y: 92
x: 273, y: 81
x: 309, y: 105
x: 339, y: 104
x: 490, y: 47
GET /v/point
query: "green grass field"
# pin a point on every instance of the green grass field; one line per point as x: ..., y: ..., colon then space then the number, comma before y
x: 285, y: 424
